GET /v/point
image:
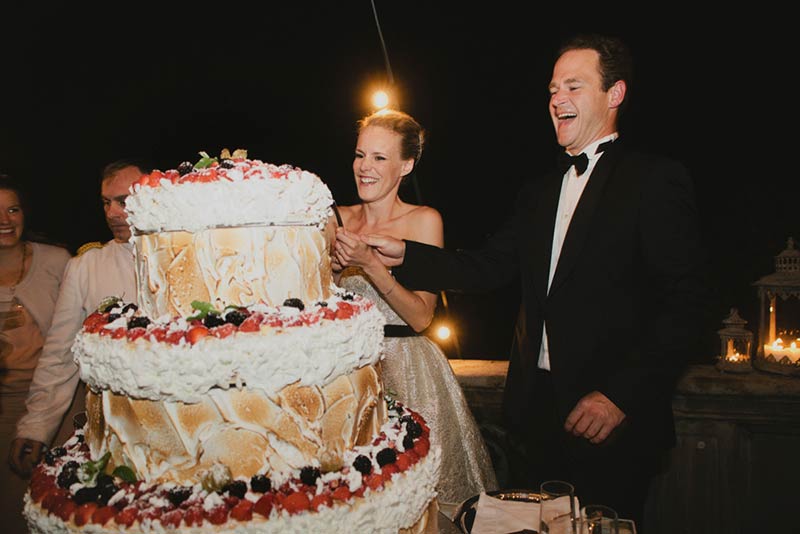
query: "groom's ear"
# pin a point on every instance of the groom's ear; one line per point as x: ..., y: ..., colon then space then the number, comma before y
x: 617, y: 93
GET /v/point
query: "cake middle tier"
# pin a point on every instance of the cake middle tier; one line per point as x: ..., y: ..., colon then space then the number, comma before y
x: 244, y: 430
x: 231, y: 267
x: 268, y: 349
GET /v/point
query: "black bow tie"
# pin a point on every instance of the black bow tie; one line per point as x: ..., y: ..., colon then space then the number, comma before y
x: 581, y: 161
x: 565, y: 161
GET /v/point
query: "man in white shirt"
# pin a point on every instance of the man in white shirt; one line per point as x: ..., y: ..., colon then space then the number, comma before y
x: 96, y: 272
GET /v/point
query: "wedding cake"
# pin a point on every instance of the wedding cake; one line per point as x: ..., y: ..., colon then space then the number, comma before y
x: 243, y: 393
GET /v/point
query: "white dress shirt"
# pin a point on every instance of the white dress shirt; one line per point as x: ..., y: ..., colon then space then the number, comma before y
x: 572, y: 187
x: 88, y: 279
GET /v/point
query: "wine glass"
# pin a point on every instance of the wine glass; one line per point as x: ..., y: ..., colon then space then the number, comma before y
x: 556, y: 507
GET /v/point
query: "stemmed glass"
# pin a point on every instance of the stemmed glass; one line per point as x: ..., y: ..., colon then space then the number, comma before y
x: 556, y: 507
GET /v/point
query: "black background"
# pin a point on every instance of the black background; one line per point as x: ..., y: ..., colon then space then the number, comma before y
x: 83, y: 85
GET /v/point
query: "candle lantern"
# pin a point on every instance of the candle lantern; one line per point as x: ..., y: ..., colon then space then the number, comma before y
x: 778, y: 349
x: 736, y: 340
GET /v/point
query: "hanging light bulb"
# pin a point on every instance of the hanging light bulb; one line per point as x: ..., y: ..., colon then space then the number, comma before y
x: 380, y: 99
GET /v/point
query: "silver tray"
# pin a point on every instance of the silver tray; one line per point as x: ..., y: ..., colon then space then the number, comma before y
x: 465, y: 513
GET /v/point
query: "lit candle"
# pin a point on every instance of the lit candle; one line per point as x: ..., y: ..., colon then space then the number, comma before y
x: 735, y: 357
x: 778, y: 351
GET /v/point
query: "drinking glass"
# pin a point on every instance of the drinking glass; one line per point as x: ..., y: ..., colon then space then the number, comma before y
x: 598, y: 519
x: 556, y: 507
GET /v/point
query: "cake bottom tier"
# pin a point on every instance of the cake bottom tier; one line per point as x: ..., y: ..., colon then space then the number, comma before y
x: 387, y: 486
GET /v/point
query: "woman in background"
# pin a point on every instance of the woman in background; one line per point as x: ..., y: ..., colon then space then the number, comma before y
x: 415, y: 370
x: 30, y: 276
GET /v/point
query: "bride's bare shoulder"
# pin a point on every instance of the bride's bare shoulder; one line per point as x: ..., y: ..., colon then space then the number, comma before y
x: 424, y: 215
x: 425, y: 224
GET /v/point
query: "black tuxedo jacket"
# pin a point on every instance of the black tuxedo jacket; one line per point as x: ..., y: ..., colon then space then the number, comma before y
x: 626, y: 300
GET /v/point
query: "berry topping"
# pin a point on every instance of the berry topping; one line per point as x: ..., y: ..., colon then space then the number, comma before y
x: 106, y: 488
x: 260, y: 483
x: 196, y: 333
x: 294, y: 303
x: 226, y: 164
x: 185, y: 168
x: 347, y: 296
x: 179, y: 494
x: 130, y: 306
x: 86, y: 494
x: 138, y: 322
x: 68, y: 475
x: 213, y: 319
x: 243, y: 510
x: 309, y: 475
x: 113, y: 317
x: 363, y: 464
x: 237, y: 488
x: 413, y: 428
x: 51, y: 455
x: 264, y: 505
x: 235, y: 317
x: 408, y: 442
x: 386, y: 456
x: 296, y: 502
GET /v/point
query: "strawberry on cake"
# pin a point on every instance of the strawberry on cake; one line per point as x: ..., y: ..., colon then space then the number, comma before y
x: 244, y: 392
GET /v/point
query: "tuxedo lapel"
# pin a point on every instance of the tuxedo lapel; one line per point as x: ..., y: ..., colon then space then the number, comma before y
x: 581, y: 221
x: 544, y: 220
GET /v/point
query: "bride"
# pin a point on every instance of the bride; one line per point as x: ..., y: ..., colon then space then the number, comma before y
x: 416, y: 372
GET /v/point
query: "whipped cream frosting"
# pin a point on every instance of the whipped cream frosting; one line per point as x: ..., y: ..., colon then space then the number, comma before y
x: 250, y: 192
x: 267, y: 360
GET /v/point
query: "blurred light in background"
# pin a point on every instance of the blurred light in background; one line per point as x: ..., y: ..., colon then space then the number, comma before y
x: 443, y: 332
x: 380, y: 99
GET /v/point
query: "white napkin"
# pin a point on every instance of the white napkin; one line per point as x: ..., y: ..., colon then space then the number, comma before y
x: 497, y: 516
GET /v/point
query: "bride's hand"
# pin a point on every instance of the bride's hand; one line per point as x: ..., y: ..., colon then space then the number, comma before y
x: 349, y: 250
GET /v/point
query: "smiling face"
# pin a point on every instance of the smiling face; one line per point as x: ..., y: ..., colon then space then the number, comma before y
x: 12, y: 219
x: 378, y: 166
x: 114, y: 190
x: 581, y: 110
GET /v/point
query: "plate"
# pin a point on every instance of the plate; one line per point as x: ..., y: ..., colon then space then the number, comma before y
x: 465, y: 514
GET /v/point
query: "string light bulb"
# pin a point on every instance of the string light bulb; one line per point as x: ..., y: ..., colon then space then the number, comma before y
x: 380, y: 99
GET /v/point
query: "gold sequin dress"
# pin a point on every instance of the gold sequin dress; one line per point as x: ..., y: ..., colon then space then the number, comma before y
x: 416, y: 372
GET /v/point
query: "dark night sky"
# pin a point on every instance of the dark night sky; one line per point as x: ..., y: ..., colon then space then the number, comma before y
x: 81, y: 87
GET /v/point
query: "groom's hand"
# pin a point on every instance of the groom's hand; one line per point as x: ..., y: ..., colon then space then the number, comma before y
x: 594, y: 417
x: 391, y: 251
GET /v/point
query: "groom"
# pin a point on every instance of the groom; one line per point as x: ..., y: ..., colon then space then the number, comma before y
x: 610, y: 260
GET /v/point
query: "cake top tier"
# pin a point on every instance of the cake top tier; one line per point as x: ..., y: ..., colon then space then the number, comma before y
x: 230, y: 190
